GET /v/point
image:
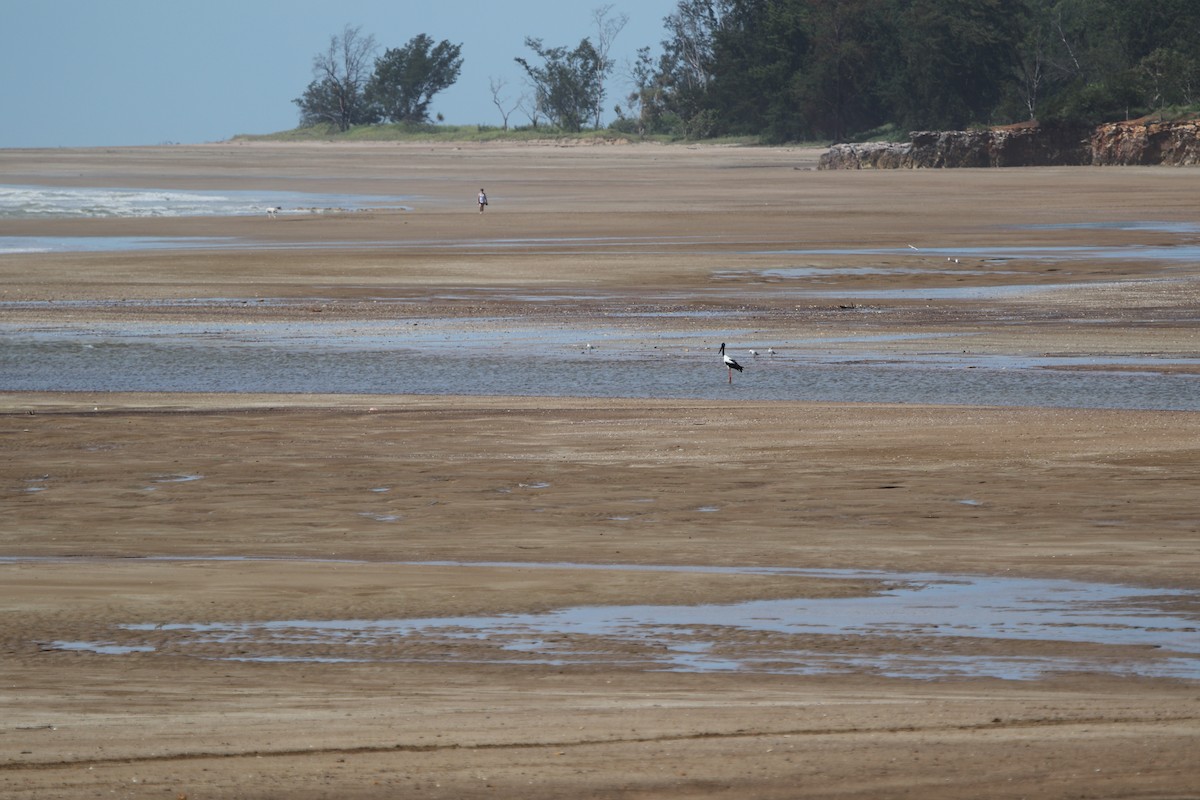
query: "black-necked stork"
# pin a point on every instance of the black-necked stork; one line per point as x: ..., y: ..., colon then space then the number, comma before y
x: 730, y: 363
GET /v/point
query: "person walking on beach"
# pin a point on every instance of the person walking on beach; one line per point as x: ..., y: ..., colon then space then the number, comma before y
x: 482, y: 200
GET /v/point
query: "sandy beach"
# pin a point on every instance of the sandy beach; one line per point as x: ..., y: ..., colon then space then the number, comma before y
x: 153, y: 541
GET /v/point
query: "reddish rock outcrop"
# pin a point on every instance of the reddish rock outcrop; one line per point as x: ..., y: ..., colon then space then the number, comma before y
x: 1123, y: 143
x: 1147, y: 142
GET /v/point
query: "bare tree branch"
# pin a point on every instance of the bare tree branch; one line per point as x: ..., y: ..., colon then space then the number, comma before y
x: 607, y: 30
x: 497, y: 86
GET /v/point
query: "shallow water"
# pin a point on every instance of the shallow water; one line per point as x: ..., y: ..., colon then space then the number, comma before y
x: 630, y: 358
x: 919, y: 261
x: 1126, y: 631
x: 516, y: 358
x: 1176, y: 252
x: 17, y: 202
x: 1157, y: 226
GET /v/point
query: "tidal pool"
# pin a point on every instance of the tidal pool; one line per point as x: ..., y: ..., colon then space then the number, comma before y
x: 1187, y: 252
x: 527, y: 360
x: 197, y: 367
x: 917, y: 625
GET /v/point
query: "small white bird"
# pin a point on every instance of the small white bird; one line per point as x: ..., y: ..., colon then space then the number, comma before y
x: 273, y: 210
x: 753, y: 352
x: 771, y: 350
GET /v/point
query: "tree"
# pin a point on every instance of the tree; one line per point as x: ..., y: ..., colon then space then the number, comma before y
x: 1093, y: 73
x: 496, y: 85
x: 688, y: 65
x: 530, y: 109
x: 836, y: 90
x: 340, y: 73
x: 1035, y: 69
x: 692, y: 30
x: 568, y: 84
x: 407, y: 78
x: 645, y: 98
x: 954, y: 57
x: 607, y: 30
x: 1168, y: 78
x: 761, y: 54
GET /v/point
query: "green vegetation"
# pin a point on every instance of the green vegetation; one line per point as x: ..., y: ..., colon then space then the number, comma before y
x: 799, y: 70
x: 405, y: 132
x: 841, y: 69
x: 404, y: 80
x: 407, y: 78
x: 569, y: 84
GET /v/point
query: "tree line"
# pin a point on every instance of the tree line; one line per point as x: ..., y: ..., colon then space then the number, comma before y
x: 352, y: 86
x: 838, y: 69
x: 790, y: 70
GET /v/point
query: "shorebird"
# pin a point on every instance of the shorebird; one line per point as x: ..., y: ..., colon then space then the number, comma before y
x: 730, y: 363
x: 753, y: 352
x: 771, y: 351
x: 273, y: 210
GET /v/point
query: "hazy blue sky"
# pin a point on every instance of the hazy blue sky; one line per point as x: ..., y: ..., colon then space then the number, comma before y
x: 132, y: 72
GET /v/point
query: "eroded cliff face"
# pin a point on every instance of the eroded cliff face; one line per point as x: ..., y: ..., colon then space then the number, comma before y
x: 867, y: 155
x: 1150, y: 143
x: 1122, y: 143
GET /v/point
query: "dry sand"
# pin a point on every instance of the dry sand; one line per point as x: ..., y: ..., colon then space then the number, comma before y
x: 1065, y: 493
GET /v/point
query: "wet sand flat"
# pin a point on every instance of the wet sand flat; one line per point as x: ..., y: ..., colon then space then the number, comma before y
x: 160, y: 509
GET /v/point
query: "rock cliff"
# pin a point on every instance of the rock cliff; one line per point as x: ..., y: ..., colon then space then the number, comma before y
x: 1121, y: 143
x: 1149, y: 142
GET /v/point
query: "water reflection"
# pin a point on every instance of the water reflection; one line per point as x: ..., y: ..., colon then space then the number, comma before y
x: 533, y: 364
x: 1031, y: 253
x: 919, y: 625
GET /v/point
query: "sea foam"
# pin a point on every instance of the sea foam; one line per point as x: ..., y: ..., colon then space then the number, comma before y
x: 32, y: 202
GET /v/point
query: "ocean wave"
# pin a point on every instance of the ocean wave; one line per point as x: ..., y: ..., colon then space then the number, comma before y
x: 31, y: 202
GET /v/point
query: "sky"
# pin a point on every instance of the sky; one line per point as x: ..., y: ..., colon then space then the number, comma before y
x: 99, y: 73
